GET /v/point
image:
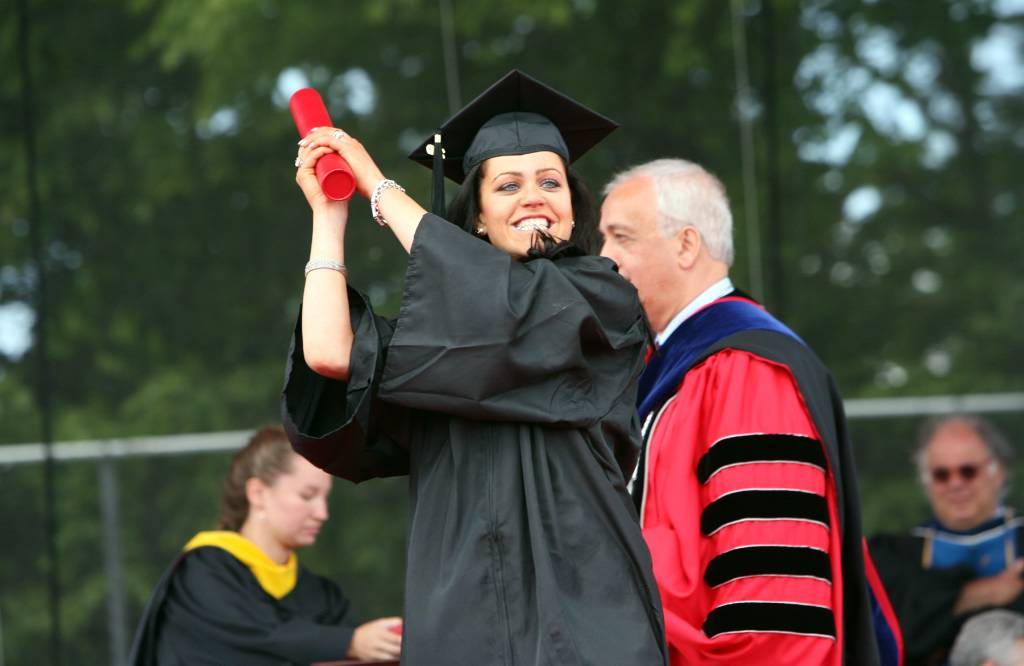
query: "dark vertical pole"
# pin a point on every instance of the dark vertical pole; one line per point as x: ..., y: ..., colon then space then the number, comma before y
x: 106, y: 472
x: 451, y: 60
x: 775, y: 287
x: 745, y: 117
x: 42, y: 356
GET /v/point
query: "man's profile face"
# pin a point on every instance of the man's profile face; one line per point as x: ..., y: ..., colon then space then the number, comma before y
x: 645, y: 258
x: 961, y: 478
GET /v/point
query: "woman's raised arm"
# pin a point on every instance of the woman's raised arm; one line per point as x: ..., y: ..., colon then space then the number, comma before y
x: 326, y: 327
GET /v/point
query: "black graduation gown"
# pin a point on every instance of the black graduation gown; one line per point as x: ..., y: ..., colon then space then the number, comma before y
x: 923, y: 599
x: 208, y: 608
x: 506, y: 390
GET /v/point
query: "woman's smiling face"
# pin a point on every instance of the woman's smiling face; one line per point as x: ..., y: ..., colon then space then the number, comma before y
x: 521, y: 195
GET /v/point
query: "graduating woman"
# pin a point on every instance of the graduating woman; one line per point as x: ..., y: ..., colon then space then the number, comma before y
x: 239, y: 596
x: 505, y: 389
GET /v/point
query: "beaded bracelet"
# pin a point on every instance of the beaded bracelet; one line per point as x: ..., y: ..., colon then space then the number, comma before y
x: 386, y: 184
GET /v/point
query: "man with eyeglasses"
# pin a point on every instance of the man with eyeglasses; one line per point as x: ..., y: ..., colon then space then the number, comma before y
x: 967, y: 557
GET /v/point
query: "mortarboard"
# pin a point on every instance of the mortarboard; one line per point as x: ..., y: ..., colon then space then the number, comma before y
x: 515, y: 116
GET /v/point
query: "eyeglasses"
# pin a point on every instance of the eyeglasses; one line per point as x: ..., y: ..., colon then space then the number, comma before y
x: 968, y: 473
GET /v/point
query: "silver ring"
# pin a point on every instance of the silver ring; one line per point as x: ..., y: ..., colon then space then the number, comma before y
x: 298, y: 162
x: 338, y: 134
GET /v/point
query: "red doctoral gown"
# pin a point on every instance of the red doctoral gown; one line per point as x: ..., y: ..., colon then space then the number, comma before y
x: 748, y: 507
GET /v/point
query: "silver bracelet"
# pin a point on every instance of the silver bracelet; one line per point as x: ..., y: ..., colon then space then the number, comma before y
x: 316, y: 264
x: 386, y: 184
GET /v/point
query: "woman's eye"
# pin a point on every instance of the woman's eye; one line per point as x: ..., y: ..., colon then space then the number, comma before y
x: 510, y: 186
x: 550, y: 183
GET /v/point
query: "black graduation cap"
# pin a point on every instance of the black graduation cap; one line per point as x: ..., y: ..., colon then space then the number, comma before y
x: 515, y: 116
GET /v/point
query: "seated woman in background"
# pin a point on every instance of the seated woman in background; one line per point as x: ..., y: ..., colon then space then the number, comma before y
x: 239, y: 596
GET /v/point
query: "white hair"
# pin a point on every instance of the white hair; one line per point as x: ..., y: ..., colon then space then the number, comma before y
x: 687, y: 194
x: 994, y: 440
x: 989, y: 636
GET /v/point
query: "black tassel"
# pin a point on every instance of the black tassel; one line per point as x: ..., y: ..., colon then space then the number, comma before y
x: 437, y: 203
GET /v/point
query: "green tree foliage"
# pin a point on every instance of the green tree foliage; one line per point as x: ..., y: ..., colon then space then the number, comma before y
x: 888, y: 152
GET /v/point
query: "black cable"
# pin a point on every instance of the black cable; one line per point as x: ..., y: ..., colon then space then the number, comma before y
x: 42, y: 356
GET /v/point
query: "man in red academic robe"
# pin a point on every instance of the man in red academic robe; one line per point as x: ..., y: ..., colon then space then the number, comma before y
x: 746, y: 486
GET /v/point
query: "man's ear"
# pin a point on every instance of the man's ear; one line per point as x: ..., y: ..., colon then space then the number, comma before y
x: 688, y: 246
x: 1000, y: 474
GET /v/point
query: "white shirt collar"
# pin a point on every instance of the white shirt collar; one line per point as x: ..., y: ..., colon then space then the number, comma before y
x: 712, y: 293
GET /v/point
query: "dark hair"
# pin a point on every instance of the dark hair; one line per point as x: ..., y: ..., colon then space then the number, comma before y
x: 266, y: 457
x: 464, y: 211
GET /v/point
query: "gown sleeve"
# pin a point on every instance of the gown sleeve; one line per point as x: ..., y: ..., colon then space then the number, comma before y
x: 481, y: 335
x: 215, y: 606
x: 341, y: 426
x: 741, y: 520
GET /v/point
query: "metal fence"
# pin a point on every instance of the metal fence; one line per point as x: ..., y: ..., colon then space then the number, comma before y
x: 105, y: 452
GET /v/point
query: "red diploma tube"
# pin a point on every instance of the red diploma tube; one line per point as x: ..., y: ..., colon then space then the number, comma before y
x: 333, y: 172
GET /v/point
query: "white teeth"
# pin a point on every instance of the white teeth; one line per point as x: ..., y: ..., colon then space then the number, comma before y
x: 532, y: 224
